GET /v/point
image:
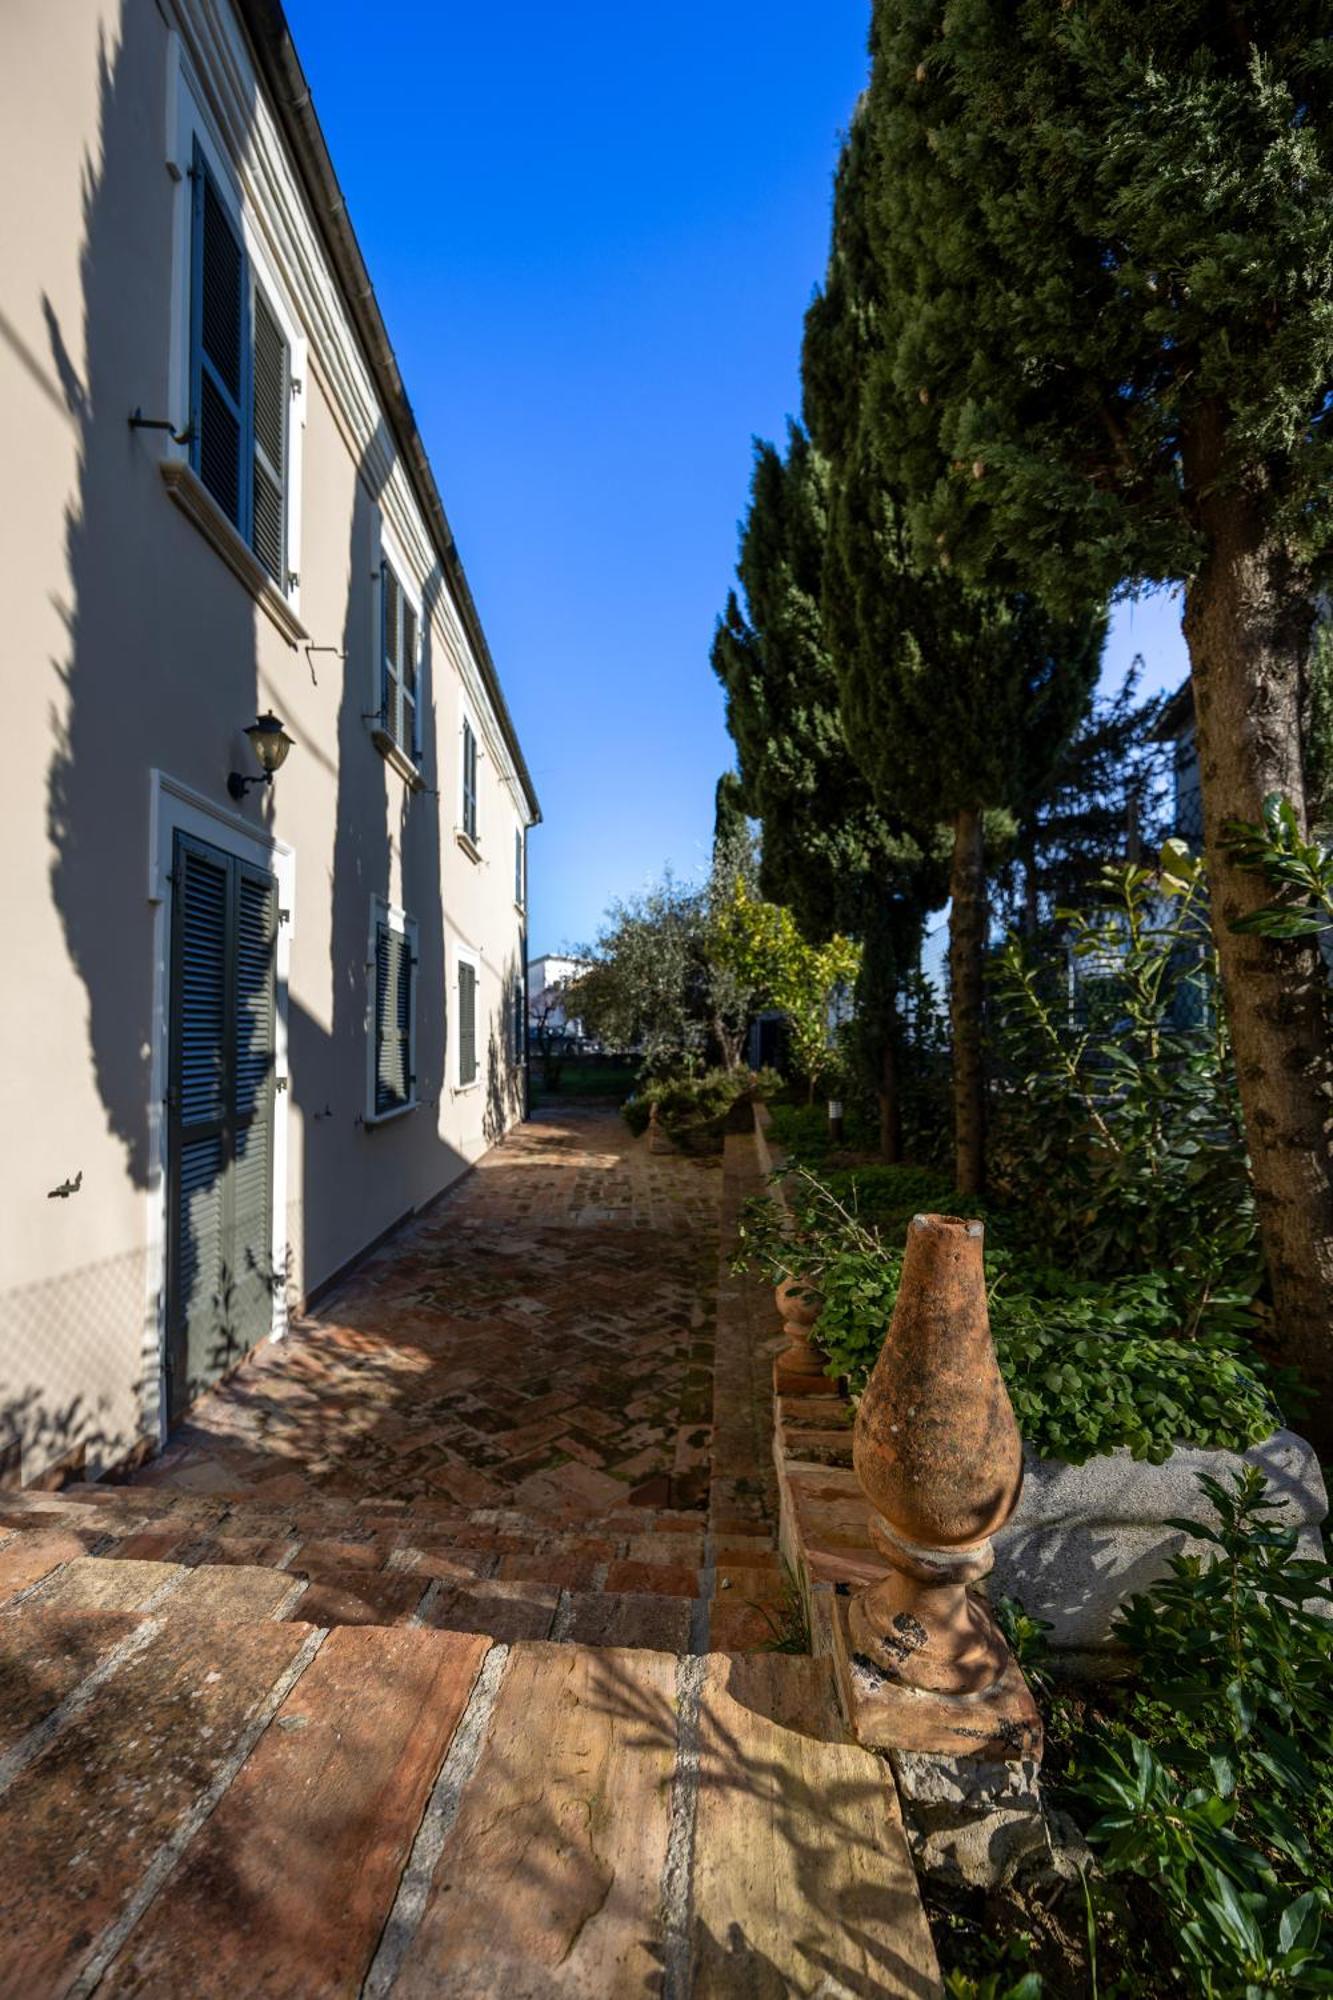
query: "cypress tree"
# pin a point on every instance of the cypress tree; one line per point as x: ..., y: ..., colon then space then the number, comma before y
x: 956, y: 699
x: 1105, y: 234
x: 828, y: 852
x: 1104, y: 801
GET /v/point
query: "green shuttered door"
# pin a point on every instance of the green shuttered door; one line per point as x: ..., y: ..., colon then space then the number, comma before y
x: 220, y: 1277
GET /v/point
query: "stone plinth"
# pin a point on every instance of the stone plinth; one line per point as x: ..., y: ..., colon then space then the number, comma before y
x: 1083, y: 1538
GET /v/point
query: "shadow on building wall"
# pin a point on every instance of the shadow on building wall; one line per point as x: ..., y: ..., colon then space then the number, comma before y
x: 136, y: 650
x: 148, y: 681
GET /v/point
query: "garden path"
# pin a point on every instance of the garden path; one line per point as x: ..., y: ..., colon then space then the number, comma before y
x: 386, y: 1677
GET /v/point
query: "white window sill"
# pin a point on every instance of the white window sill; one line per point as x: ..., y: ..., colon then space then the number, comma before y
x: 521, y: 910
x: 468, y: 844
x: 466, y: 1089
x: 395, y: 756
x: 193, y: 498
x: 374, y: 1118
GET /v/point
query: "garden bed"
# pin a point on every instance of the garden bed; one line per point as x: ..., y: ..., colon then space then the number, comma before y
x: 1084, y: 1537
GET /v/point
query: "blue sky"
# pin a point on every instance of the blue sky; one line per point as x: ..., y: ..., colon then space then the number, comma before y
x: 593, y: 231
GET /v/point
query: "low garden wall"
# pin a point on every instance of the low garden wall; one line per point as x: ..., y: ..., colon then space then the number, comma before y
x: 1082, y: 1539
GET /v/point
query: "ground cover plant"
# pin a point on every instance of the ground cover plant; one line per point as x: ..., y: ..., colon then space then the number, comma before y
x: 1201, y: 1782
x: 1089, y: 1364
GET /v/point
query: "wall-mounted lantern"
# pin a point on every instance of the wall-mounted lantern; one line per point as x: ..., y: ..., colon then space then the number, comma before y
x: 270, y: 743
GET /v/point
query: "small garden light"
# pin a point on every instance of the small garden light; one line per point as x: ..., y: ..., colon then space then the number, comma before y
x: 270, y: 743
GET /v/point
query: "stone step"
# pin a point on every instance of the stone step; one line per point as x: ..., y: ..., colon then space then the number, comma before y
x: 670, y: 1612
x: 659, y: 1534
x: 665, y: 1564
x: 268, y: 1807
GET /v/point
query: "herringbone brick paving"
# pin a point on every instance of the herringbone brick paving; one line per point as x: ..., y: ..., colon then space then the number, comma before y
x: 282, y: 1715
x: 543, y: 1338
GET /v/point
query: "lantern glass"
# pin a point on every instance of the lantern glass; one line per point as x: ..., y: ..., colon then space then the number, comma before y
x: 270, y: 742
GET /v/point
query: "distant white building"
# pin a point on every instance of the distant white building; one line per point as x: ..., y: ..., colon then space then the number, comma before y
x: 549, y: 978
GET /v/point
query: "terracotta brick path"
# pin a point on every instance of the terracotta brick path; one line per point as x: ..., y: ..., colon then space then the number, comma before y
x: 542, y: 1338
x: 385, y: 1680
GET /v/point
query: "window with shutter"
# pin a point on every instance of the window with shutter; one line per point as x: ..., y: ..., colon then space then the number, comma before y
x: 467, y: 1023
x: 271, y: 395
x: 391, y: 600
x: 217, y: 346
x: 469, y: 781
x: 400, y: 654
x: 240, y: 381
x: 394, y: 1014
x: 408, y: 733
x: 518, y: 866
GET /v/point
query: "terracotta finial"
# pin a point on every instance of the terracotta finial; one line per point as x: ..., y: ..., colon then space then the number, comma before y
x: 939, y: 1457
x: 799, y: 1369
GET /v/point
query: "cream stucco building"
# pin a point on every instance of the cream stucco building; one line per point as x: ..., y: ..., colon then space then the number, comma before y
x: 247, y: 1028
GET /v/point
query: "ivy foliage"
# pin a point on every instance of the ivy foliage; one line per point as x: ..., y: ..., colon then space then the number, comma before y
x: 1090, y: 1365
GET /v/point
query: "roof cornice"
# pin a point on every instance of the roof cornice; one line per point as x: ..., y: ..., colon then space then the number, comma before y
x: 280, y: 68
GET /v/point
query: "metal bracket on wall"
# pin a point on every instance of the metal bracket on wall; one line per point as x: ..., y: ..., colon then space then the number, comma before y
x: 139, y: 422
x: 340, y: 651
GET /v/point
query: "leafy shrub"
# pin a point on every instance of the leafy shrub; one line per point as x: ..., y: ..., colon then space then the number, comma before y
x: 1117, y: 1138
x: 1089, y: 1365
x: 801, y: 1130
x: 1085, y: 1373
x: 1213, y: 1788
x: 693, y: 1110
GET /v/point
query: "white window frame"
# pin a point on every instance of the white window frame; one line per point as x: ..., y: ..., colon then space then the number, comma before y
x: 469, y: 838
x: 404, y: 926
x: 188, y: 124
x: 465, y: 955
x: 388, y: 740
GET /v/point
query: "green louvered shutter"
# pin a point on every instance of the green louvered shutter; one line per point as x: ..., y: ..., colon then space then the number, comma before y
x: 217, y: 347
x: 409, y: 737
x: 467, y: 1023
x: 393, y: 1020
x: 252, y: 1102
x: 271, y: 394
x: 469, y: 781
x: 197, y: 1105
x: 220, y: 1277
x: 391, y: 603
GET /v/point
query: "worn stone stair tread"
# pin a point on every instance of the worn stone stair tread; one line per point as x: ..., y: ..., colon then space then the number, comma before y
x: 44, y: 1657
x: 160, y: 1523
x: 27, y: 1558
x: 86, y: 1819
x: 588, y: 1853
x: 286, y: 1887
x: 91, y: 1583
x: 801, y: 1870
x: 550, y: 1879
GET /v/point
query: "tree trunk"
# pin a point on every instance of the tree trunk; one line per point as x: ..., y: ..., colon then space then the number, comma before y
x: 1248, y: 621
x: 728, y: 1045
x: 890, y: 1105
x: 967, y: 947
